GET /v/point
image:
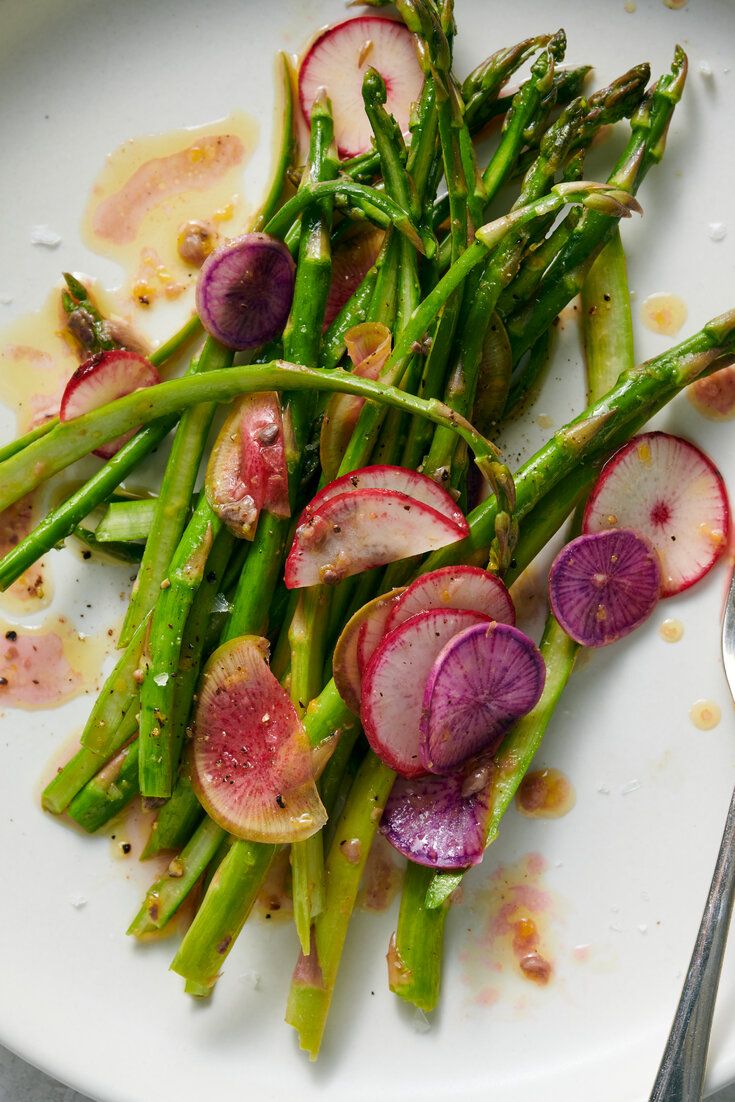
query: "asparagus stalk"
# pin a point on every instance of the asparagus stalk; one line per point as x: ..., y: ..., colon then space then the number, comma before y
x: 83, y: 767
x: 106, y: 794
x: 175, y: 822
x: 126, y: 520
x: 287, y: 145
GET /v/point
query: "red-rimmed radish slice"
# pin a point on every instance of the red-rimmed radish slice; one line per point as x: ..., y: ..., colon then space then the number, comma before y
x: 251, y: 763
x: 245, y: 289
x: 247, y: 468
x: 362, y: 529
x: 394, y: 681
x: 356, y: 644
x: 368, y: 346
x: 484, y: 679
x: 604, y: 585
x: 101, y: 379
x: 669, y: 491
x: 455, y: 587
x: 439, y: 821
x: 352, y: 258
x: 385, y: 477
x: 337, y: 61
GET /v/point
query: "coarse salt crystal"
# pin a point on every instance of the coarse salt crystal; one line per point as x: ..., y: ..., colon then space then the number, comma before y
x: 5, y: 300
x: 705, y: 69
x: 44, y: 235
x: 221, y: 604
x: 420, y: 1022
x: 631, y: 786
x: 717, y: 231
x: 161, y: 679
x: 603, y: 789
x: 77, y: 901
x: 251, y: 979
x: 643, y: 927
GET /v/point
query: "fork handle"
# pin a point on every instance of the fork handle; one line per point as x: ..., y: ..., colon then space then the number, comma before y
x: 681, y: 1073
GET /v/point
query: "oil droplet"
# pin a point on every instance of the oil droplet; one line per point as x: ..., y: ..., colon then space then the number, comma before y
x: 545, y: 794
x: 630, y: 6
x: 671, y: 630
x: 714, y: 397
x: 41, y: 667
x: 544, y: 421
x: 675, y: 5
x: 663, y: 313
x: 274, y: 900
x: 382, y: 877
x: 705, y: 714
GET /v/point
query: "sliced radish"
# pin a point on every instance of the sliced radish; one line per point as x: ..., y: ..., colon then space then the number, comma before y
x: 368, y: 346
x: 247, y: 468
x: 362, y: 529
x: 356, y: 645
x: 440, y: 821
x: 384, y: 477
x: 604, y: 585
x: 245, y: 290
x: 394, y: 682
x: 352, y: 258
x: 455, y: 587
x: 251, y: 763
x: 337, y: 61
x: 484, y: 679
x: 101, y: 379
x: 669, y: 491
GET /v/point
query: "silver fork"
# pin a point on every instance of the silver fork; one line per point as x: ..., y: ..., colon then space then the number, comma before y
x: 681, y: 1073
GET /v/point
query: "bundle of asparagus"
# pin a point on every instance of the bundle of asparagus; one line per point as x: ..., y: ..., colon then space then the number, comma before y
x: 464, y: 308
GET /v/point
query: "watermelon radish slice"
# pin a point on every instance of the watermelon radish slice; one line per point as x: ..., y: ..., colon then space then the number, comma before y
x: 484, y: 679
x: 356, y: 531
x: 395, y: 679
x: 669, y: 491
x: 247, y: 468
x: 245, y: 289
x: 604, y: 585
x: 368, y: 346
x: 337, y: 61
x: 251, y: 763
x: 384, y: 477
x: 352, y: 258
x: 356, y: 645
x: 101, y: 379
x: 455, y: 587
x: 440, y: 821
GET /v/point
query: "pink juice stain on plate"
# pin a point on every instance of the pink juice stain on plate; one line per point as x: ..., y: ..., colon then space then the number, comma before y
x: 44, y: 666
x: 511, y: 934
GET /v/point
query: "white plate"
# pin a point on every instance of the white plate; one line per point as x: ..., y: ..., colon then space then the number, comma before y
x: 627, y: 870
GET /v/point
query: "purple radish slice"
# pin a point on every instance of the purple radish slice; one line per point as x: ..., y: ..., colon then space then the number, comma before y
x: 251, y: 764
x: 604, y: 585
x: 245, y: 290
x: 670, y: 492
x: 368, y: 346
x: 352, y: 258
x: 394, y: 681
x: 357, y: 531
x: 361, y: 634
x: 455, y: 587
x: 247, y: 468
x: 440, y: 821
x: 101, y: 379
x: 382, y: 476
x: 337, y: 61
x: 484, y: 679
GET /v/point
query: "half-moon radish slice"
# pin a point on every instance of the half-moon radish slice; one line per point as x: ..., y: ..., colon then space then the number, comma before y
x: 455, y: 587
x: 103, y: 378
x: 356, y: 644
x: 251, y: 763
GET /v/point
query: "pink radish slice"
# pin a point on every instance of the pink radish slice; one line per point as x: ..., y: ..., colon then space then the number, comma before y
x: 439, y: 821
x: 337, y: 61
x: 669, y: 491
x: 368, y: 346
x: 101, y: 379
x: 361, y: 635
x: 357, y: 531
x: 251, y: 763
x: 484, y: 679
x: 604, y: 585
x: 352, y: 258
x: 245, y: 290
x: 455, y: 587
x: 384, y: 477
x: 247, y: 468
x: 394, y: 681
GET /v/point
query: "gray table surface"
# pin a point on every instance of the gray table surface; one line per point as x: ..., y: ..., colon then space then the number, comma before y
x: 19, y: 1082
